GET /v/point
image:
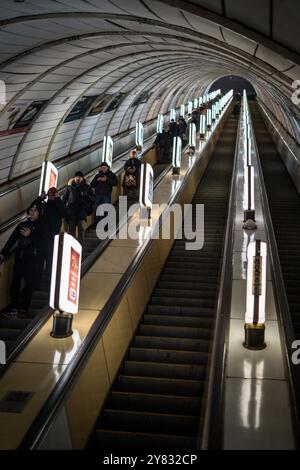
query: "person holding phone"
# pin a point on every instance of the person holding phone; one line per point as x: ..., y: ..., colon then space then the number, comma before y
x: 102, y: 184
x: 26, y: 242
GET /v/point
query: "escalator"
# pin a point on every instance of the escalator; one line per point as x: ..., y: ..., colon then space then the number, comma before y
x: 284, y: 204
x: 13, y: 328
x: 157, y: 398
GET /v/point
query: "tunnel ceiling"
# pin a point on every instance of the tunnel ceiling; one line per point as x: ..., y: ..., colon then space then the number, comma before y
x: 62, y: 50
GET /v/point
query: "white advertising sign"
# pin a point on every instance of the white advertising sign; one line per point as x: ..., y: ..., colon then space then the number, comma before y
x: 107, y: 152
x: 160, y: 123
x: 66, y: 271
x: 173, y: 114
x: 177, y: 145
x: 139, y: 134
x: 256, y: 282
x: 49, y: 177
x: 146, y: 186
x: 192, y: 135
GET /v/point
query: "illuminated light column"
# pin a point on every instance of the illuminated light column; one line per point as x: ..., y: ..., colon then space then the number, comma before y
x: 146, y: 190
x: 173, y: 114
x: 49, y: 177
x: 217, y: 109
x: 176, y: 157
x: 249, y: 207
x: 139, y: 136
x: 65, y: 283
x: 256, y: 295
x: 249, y: 158
x: 208, y: 119
x: 202, y: 129
x: 213, y: 113
x: 192, y: 138
x: 182, y: 110
x: 107, y: 152
x: 159, y: 123
x: 195, y: 103
x: 200, y: 101
x: 190, y: 107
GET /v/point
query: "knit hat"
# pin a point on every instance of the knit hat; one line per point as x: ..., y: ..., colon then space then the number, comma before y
x: 33, y: 206
x: 52, y: 191
x: 79, y: 173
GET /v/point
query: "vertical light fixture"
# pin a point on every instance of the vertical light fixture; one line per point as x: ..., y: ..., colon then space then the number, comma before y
x: 256, y: 295
x: 176, y: 157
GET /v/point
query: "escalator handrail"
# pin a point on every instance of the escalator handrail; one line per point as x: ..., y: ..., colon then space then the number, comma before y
x: 212, y: 427
x: 49, y: 410
x: 267, y: 110
x: 280, y: 293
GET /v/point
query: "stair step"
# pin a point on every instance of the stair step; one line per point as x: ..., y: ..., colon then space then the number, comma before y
x: 161, y: 423
x: 160, y: 385
x: 182, y: 302
x: 168, y: 355
x: 163, y: 369
x: 9, y: 334
x: 155, y: 403
x: 108, y: 439
x: 185, y: 293
x: 174, y: 320
x: 175, y: 331
x: 178, y: 344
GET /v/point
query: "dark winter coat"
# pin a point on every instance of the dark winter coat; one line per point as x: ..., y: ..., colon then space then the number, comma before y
x: 26, y: 247
x: 104, y: 187
x: 51, y: 214
x: 78, y: 199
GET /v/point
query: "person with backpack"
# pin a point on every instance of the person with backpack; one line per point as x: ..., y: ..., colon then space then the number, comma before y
x: 102, y: 184
x: 131, y: 180
x: 26, y: 241
x: 79, y: 200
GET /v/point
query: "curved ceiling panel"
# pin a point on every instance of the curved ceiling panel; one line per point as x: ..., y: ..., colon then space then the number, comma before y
x: 57, y: 52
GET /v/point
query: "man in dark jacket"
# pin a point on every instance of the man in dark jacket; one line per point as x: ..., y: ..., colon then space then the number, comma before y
x: 27, y: 239
x: 102, y: 184
x: 52, y: 210
x: 163, y: 146
x: 78, y: 199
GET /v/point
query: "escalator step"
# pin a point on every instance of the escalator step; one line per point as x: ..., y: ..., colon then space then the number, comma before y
x: 163, y: 369
x: 150, y: 422
x: 155, y: 403
x: 108, y: 439
x: 168, y: 355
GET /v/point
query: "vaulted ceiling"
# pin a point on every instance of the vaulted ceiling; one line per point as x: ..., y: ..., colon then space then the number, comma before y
x: 62, y: 50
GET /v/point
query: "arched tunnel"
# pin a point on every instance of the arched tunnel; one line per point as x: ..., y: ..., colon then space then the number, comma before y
x: 74, y: 71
